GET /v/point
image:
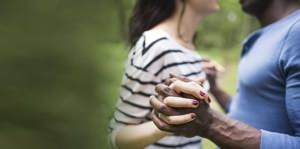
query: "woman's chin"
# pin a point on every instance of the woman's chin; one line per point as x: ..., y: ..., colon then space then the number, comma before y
x: 217, y: 8
x: 213, y: 10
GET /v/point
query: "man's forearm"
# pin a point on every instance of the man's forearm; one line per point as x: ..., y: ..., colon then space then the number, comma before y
x: 222, y: 97
x: 228, y: 133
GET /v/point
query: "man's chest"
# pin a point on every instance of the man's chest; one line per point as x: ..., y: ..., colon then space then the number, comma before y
x: 259, y: 67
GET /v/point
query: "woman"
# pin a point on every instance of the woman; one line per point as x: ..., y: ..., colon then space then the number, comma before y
x: 162, y: 35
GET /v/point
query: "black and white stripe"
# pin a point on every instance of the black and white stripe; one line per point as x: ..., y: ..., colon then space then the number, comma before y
x: 175, y: 64
x: 135, y: 104
x: 193, y: 73
x: 147, y: 95
x: 196, y: 73
x: 159, y: 56
x: 146, y: 49
x: 147, y: 67
x: 138, y: 80
x: 124, y: 123
x: 130, y: 115
x: 178, y: 145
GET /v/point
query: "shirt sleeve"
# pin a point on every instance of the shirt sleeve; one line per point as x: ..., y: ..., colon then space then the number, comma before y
x: 290, y: 66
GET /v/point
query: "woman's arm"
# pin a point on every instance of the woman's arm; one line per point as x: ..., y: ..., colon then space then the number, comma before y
x: 211, y: 70
x: 223, y: 98
x: 138, y: 136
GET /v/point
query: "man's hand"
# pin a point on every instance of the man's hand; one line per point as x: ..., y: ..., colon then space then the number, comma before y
x: 182, y: 116
x: 179, y: 115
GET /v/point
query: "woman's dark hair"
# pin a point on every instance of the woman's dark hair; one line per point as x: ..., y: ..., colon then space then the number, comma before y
x: 147, y: 14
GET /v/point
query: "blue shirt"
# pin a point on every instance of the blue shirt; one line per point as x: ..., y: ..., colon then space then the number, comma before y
x: 268, y: 92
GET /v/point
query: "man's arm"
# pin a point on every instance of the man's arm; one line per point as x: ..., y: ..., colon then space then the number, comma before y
x: 289, y: 63
x: 225, y: 131
x: 222, y: 130
x: 211, y: 71
x: 232, y: 134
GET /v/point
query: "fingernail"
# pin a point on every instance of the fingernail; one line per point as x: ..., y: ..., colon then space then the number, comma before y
x: 195, y: 102
x: 193, y: 116
x: 202, y: 93
x: 209, y: 99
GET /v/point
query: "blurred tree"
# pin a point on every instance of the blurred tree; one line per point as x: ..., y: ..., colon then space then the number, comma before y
x: 53, y: 61
x: 226, y: 29
x: 122, y: 17
x: 50, y: 73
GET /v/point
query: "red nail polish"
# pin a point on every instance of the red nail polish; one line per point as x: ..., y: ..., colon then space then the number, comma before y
x: 202, y: 93
x: 195, y: 102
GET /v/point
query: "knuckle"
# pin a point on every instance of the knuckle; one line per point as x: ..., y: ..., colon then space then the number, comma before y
x: 158, y: 87
x: 166, y: 89
x: 167, y: 120
x: 175, y: 83
x: 163, y: 109
x: 160, y: 126
x: 168, y: 82
x: 173, y: 79
x: 164, y: 127
x: 151, y: 101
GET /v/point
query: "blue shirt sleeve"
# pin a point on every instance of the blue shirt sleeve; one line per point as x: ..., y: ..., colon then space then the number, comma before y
x: 289, y: 64
x: 272, y: 140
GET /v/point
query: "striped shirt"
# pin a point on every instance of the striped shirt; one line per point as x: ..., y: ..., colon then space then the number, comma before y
x: 149, y: 63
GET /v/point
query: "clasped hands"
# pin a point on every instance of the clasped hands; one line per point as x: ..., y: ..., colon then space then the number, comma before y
x: 182, y: 107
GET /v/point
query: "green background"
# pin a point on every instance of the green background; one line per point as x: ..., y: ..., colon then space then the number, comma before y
x: 62, y: 62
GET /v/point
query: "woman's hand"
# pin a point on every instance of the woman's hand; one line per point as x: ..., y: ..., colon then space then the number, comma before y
x: 181, y: 115
x: 211, y: 69
x: 190, y: 88
x: 183, y: 102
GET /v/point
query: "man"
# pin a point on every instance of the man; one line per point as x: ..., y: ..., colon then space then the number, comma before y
x: 266, y: 110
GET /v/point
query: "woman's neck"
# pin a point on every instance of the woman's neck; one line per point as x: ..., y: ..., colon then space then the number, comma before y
x: 183, y: 28
x: 187, y: 25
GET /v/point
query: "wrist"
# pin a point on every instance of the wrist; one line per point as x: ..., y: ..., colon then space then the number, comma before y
x: 208, y: 128
x: 203, y: 121
x: 160, y: 134
x: 215, y: 89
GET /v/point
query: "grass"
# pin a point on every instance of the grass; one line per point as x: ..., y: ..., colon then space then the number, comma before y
x: 112, y: 57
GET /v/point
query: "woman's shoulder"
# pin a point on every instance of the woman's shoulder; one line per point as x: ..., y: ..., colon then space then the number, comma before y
x: 152, y: 43
x: 152, y: 50
x: 156, y: 41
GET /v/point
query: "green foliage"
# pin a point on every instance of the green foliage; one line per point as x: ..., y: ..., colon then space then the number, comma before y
x: 50, y: 74
x: 226, y: 29
x: 61, y: 66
